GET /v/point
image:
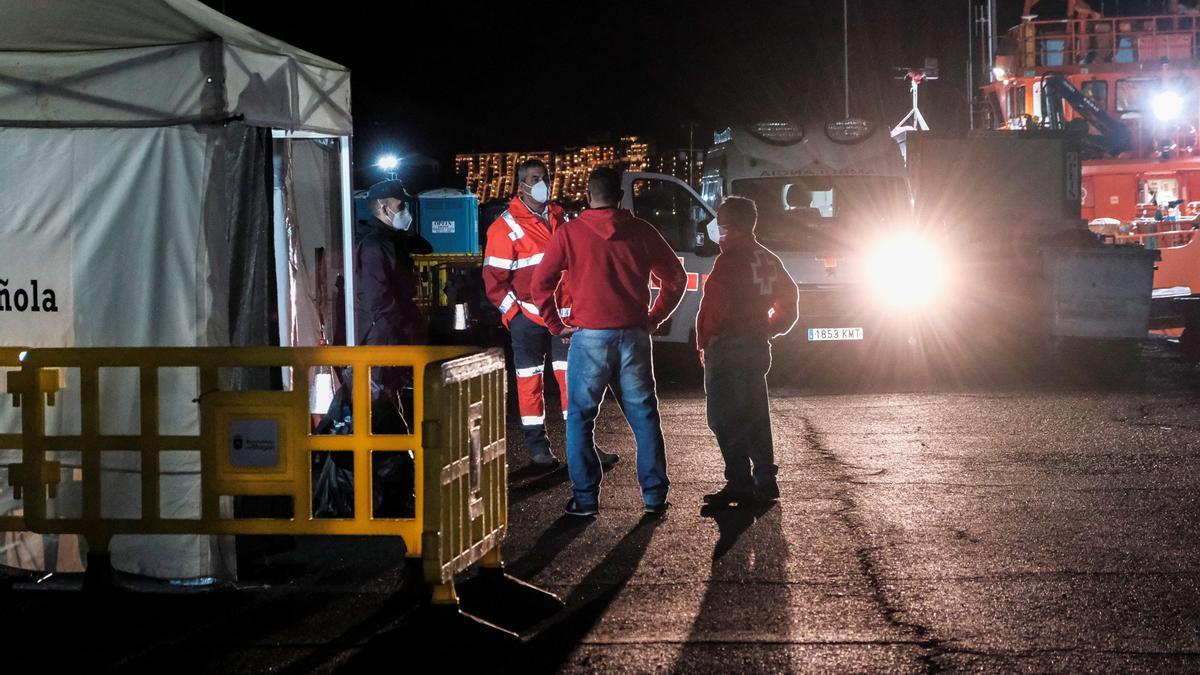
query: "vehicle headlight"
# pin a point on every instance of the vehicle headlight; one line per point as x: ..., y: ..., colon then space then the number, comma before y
x: 906, y: 271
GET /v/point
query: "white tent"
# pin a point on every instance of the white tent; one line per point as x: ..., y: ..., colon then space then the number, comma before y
x: 168, y: 177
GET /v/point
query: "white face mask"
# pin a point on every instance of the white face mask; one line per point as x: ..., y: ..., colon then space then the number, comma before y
x: 540, y: 192
x: 714, y: 231
x: 402, y: 220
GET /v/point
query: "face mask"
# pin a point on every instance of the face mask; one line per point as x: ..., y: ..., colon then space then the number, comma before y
x: 540, y: 193
x: 714, y: 231
x: 402, y: 220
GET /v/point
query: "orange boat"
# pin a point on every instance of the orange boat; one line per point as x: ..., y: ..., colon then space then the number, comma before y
x: 1132, y: 84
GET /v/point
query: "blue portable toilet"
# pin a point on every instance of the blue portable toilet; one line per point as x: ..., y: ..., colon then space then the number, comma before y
x: 449, y: 220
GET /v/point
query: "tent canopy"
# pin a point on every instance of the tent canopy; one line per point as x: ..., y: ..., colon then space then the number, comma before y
x: 131, y: 63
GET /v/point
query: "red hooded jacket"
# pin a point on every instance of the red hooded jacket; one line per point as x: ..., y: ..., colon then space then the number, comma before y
x: 515, y: 242
x: 610, y: 255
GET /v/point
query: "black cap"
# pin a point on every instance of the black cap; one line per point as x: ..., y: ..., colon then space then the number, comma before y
x: 387, y: 189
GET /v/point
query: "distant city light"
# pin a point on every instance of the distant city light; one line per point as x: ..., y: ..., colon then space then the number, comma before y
x: 1168, y: 105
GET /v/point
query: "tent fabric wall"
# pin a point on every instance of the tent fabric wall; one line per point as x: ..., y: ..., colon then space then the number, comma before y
x: 121, y: 215
x: 313, y: 212
x: 136, y: 171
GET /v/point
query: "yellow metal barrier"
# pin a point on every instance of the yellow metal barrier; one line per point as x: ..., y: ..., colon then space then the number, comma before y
x: 261, y: 443
x: 10, y: 363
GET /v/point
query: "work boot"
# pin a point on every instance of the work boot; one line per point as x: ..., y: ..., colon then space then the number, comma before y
x: 730, y: 495
x: 607, y: 459
x: 539, y: 448
x: 544, y: 460
x: 766, y: 493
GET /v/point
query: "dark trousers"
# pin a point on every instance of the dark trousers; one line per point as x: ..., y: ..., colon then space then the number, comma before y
x: 531, y: 343
x: 735, y: 380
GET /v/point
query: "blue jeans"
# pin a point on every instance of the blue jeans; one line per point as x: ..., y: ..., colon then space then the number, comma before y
x: 735, y: 380
x: 623, y: 358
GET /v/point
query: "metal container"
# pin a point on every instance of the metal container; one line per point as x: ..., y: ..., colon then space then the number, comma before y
x: 1100, y: 292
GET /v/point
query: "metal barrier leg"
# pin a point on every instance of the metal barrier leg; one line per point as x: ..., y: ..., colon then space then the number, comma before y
x: 506, y: 600
x: 444, y: 595
x: 98, y: 577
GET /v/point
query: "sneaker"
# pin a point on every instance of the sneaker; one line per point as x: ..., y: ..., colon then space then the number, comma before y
x: 729, y: 495
x: 766, y: 493
x: 574, y: 509
x: 658, y: 508
x: 544, y: 460
x: 607, y: 459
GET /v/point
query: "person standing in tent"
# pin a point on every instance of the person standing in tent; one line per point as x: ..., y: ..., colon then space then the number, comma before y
x: 516, y: 242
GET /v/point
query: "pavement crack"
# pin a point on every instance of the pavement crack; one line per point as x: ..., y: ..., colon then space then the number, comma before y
x: 864, y: 551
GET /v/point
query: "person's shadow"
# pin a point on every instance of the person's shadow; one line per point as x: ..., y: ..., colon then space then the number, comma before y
x: 557, y: 537
x: 750, y: 551
x: 591, y: 598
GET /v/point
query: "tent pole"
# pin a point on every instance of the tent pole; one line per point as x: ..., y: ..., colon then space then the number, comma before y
x: 283, y: 285
x: 347, y: 239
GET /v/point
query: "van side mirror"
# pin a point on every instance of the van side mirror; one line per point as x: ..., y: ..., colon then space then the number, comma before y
x: 703, y: 246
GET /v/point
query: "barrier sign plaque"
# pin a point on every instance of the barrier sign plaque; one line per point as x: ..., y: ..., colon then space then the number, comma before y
x: 253, y: 443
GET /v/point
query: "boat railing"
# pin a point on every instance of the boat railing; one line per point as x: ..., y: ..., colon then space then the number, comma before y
x: 1080, y: 42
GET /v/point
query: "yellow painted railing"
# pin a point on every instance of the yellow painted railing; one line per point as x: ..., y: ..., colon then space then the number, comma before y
x: 261, y: 442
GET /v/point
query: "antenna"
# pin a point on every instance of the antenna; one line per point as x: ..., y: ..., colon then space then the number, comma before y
x: 917, y: 75
x: 846, y: 52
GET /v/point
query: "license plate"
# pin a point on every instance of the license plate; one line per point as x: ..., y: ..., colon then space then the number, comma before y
x: 819, y: 334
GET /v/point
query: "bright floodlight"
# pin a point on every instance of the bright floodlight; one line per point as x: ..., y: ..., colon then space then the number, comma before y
x: 1168, y: 105
x: 906, y: 271
x: 999, y: 72
x: 388, y: 162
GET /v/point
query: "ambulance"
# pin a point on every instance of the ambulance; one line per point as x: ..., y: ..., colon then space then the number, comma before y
x: 833, y: 204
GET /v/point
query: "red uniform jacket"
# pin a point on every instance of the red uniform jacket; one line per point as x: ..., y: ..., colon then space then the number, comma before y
x: 748, y: 292
x: 610, y: 255
x: 515, y: 244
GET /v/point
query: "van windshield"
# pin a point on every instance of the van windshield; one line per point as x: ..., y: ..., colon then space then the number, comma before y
x: 799, y: 213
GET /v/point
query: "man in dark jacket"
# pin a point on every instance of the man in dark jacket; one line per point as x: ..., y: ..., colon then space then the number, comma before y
x: 385, y: 308
x: 386, y: 313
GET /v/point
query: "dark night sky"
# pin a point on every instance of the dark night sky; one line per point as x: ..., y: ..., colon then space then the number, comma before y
x: 444, y: 77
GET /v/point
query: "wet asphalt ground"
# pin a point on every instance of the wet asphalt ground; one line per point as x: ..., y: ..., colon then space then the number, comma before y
x: 1043, y: 527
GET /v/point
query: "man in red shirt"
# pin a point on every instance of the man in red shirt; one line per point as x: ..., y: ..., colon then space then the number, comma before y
x: 749, y: 298
x: 610, y: 255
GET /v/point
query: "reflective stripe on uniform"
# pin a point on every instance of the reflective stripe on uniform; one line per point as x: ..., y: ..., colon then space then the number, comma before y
x: 517, y: 232
x: 529, y: 307
x: 519, y: 263
x: 531, y: 371
x: 564, y: 312
x: 527, y: 262
x: 508, y: 302
x: 560, y: 365
x: 533, y: 420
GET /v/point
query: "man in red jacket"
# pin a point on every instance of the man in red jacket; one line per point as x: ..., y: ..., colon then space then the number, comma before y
x: 749, y: 298
x: 610, y: 255
x: 515, y: 244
